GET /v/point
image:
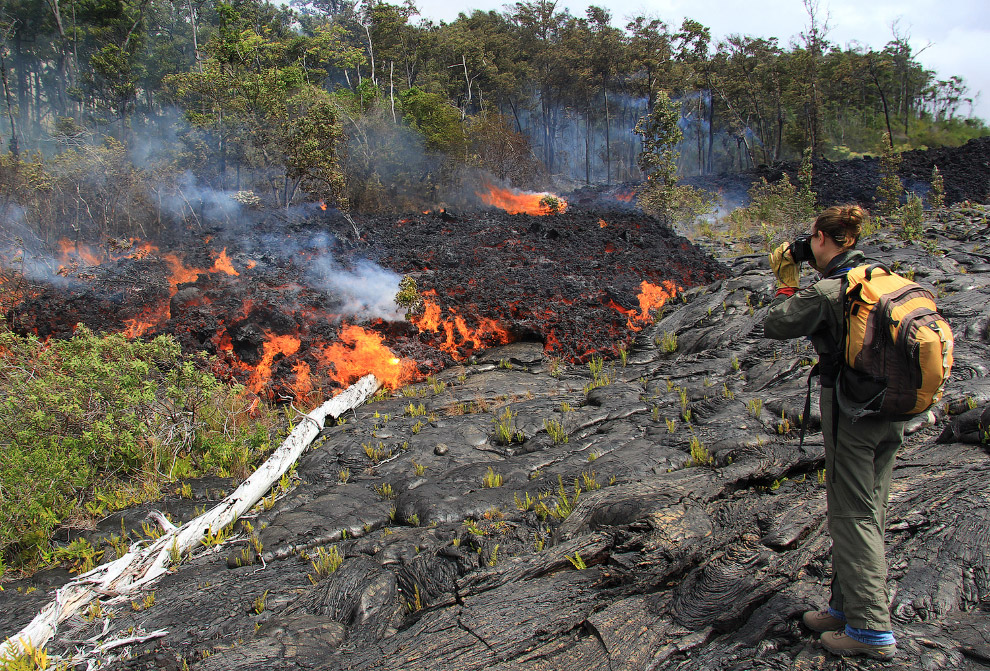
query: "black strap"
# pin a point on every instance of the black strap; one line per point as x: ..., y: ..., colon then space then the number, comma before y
x: 807, y: 405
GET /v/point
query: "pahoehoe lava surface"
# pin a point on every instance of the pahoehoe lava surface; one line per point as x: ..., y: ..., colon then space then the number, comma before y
x: 585, y: 537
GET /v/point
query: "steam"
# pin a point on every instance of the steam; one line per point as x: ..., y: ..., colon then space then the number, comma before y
x: 367, y: 290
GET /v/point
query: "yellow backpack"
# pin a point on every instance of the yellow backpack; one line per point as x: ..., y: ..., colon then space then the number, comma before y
x: 898, y: 348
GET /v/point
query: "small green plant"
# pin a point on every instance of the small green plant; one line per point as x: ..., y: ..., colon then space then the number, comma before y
x: 971, y: 403
x: 577, y: 561
x: 555, y: 429
x: 408, y: 295
x: 555, y: 367
x: 211, y: 539
x: 418, y: 469
x: 491, y: 479
x: 699, y: 453
x: 912, y: 215
x: 552, y: 204
x: 435, y: 384
x: 671, y: 425
x: 326, y: 562
x: 418, y: 426
x: 592, y: 456
x: 493, y: 559
x: 755, y: 407
x: 413, y: 520
x: 784, y: 425
x: 343, y: 475
x: 385, y: 491
x: 735, y: 364
x: 589, y: 481
x: 378, y: 453
x: 472, y: 527
x: 79, y: 555
x: 820, y: 476
x: 416, y: 411
x: 889, y: 192
x: 524, y: 504
x: 623, y: 353
x: 667, y: 342
x: 505, y: 432
x: 259, y: 603
x: 416, y: 604
x: 937, y: 197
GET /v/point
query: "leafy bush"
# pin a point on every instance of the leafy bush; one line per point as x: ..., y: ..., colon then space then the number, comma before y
x: 96, y: 423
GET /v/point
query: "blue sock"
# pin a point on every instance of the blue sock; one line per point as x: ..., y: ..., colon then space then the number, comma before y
x: 870, y: 636
x: 837, y: 614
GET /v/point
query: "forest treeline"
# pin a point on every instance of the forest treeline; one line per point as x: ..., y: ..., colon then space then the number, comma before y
x: 365, y: 105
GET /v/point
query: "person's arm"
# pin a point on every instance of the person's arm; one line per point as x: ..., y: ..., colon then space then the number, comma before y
x: 802, y: 314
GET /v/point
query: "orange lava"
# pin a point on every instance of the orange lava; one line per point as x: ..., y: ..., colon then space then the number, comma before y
x: 651, y: 297
x: 71, y: 251
x: 458, y: 335
x: 602, y: 223
x: 625, y: 196
x: 223, y: 264
x: 359, y: 352
x: 274, y: 345
x: 522, y: 202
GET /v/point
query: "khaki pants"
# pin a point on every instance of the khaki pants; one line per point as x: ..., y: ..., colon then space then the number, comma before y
x: 858, y: 469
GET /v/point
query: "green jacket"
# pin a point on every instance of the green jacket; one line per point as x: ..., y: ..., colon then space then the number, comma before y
x: 815, y: 311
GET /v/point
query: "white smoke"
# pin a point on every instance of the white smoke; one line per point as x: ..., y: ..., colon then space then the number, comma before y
x: 367, y: 290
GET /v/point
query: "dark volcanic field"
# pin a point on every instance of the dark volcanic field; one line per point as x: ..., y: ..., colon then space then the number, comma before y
x: 595, y: 537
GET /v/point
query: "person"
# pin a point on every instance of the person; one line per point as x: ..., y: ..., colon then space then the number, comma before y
x: 859, y: 455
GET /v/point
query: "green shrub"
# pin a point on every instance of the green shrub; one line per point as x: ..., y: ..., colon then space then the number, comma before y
x: 96, y: 423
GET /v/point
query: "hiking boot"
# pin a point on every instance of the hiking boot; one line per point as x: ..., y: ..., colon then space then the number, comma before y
x: 822, y: 620
x: 838, y: 643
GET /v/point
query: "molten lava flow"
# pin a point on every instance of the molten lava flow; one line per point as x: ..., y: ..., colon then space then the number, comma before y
x: 651, y: 297
x: 223, y: 264
x: 625, y: 196
x: 461, y: 339
x: 602, y: 223
x: 150, y: 317
x: 303, y: 384
x: 274, y: 345
x: 180, y: 274
x: 522, y: 202
x: 72, y: 252
x: 359, y: 352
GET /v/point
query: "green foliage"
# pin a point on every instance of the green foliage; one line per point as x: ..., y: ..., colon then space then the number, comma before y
x: 699, y: 453
x: 780, y: 209
x: 433, y: 116
x: 887, y: 200
x: 491, y: 479
x: 326, y: 562
x: 661, y: 195
x: 555, y: 429
x: 667, y: 342
x: 912, y: 217
x: 100, y: 422
x: 505, y: 431
x: 938, y: 189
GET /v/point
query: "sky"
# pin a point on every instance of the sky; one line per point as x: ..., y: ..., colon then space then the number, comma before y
x: 951, y: 37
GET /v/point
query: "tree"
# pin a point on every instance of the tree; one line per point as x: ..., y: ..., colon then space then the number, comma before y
x: 658, y: 160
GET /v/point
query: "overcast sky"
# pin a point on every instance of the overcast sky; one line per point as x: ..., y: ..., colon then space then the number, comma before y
x: 955, y: 32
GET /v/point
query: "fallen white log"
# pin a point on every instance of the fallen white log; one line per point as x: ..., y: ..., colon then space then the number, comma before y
x: 138, y: 567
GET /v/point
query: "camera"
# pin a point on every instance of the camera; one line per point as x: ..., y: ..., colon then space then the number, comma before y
x: 801, y: 249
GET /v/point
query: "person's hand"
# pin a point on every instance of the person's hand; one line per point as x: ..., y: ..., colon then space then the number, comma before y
x: 785, y: 267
